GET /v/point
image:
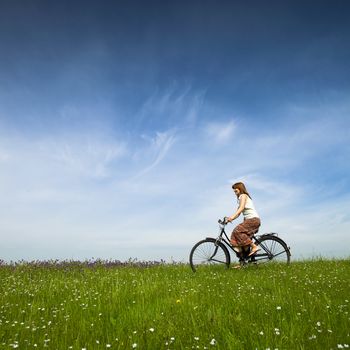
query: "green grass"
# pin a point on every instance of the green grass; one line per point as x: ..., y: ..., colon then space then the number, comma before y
x: 301, y: 306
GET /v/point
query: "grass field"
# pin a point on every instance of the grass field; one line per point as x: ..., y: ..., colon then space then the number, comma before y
x: 98, y: 306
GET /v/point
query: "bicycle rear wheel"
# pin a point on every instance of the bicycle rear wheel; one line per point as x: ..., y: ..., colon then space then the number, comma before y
x: 209, y: 252
x: 273, y: 249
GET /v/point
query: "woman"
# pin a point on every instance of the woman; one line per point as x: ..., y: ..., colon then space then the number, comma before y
x: 241, y: 235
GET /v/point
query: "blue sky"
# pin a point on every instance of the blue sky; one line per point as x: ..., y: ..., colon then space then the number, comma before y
x: 124, y: 124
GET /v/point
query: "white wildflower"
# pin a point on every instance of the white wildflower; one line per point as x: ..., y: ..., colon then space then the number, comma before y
x: 213, y: 342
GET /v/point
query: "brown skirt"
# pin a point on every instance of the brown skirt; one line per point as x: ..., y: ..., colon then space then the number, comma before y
x: 242, y: 233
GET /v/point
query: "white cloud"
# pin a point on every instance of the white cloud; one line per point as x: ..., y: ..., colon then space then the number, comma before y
x: 158, y: 194
x: 176, y: 106
x: 88, y: 156
x: 159, y: 147
x: 220, y: 133
x: 60, y: 172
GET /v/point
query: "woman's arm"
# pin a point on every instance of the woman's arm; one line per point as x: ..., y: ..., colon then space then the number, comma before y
x: 242, y: 202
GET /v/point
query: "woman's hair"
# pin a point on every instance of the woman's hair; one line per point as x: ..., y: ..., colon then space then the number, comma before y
x: 241, y: 187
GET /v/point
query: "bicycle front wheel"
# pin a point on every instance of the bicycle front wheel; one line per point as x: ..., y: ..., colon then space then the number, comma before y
x: 272, y: 249
x: 209, y: 252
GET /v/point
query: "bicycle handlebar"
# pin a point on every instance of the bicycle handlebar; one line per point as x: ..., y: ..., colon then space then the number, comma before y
x: 223, y: 221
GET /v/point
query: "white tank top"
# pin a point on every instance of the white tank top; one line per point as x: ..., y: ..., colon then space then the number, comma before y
x: 249, y: 211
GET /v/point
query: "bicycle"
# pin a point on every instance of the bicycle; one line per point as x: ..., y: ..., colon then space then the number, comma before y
x: 216, y: 251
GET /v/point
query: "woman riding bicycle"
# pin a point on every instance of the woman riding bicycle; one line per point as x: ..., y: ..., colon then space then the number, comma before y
x: 215, y: 251
x: 241, y: 235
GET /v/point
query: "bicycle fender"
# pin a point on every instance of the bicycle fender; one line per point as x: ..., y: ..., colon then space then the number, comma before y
x: 268, y: 234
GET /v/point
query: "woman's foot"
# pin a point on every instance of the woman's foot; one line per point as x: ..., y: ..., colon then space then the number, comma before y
x: 255, y: 249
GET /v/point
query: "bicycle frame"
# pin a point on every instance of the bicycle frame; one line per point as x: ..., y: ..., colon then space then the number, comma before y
x: 243, y: 256
x: 217, y: 250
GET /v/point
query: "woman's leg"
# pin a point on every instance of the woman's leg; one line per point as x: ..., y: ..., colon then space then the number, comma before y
x: 241, y: 235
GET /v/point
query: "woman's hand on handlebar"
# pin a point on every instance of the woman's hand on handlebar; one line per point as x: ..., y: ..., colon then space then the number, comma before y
x: 224, y: 221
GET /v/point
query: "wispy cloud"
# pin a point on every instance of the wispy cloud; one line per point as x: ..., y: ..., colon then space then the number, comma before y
x: 116, y: 194
x: 88, y: 156
x: 220, y: 132
x: 174, y: 107
x: 159, y: 146
x: 42, y: 178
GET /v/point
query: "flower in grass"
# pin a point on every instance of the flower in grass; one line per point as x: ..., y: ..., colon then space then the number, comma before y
x: 278, y: 308
x: 261, y: 333
x: 196, y: 338
x: 213, y: 342
x: 151, y: 330
x: 178, y: 301
x: 134, y: 346
x: 108, y: 345
x: 340, y: 346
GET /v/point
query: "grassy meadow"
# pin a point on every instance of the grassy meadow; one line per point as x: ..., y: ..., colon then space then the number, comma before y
x: 79, y: 306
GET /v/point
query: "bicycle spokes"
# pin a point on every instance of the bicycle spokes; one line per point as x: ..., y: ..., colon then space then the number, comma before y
x: 273, y: 249
x: 209, y: 252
